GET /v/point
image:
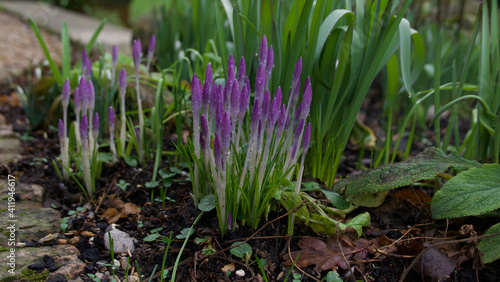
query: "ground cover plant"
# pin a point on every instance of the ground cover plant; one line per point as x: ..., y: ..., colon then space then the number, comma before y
x: 214, y: 179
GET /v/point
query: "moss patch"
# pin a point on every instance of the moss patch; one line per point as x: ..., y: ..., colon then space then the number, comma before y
x: 28, y: 275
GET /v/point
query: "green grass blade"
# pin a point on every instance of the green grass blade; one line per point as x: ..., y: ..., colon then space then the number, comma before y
x: 66, y: 56
x: 405, y: 44
x: 96, y: 33
x: 53, y: 66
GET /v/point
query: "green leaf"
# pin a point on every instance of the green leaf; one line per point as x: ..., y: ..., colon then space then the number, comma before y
x: 185, y: 233
x: 370, y: 200
x: 332, y: 277
x: 207, y: 203
x: 424, y: 166
x: 472, y: 192
x: 52, y: 64
x: 151, y: 184
x: 336, y: 200
x: 152, y: 237
x: 359, y: 221
x: 163, y: 174
x: 131, y: 161
x: 490, y: 247
x: 243, y: 250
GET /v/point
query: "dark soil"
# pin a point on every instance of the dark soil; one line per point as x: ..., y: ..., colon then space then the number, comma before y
x: 406, y: 225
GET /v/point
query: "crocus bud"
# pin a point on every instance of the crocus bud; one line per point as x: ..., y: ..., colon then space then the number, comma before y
x: 208, y: 76
x: 151, y: 47
x: 255, y: 117
x: 95, y: 125
x: 260, y: 81
x: 230, y: 68
x: 123, y: 81
x: 114, y: 55
x: 226, y: 132
x: 204, y: 129
x: 91, y: 94
x: 65, y: 93
x: 77, y: 101
x: 274, y: 109
x: 84, y: 128
x: 136, y: 54
x: 111, y: 118
x: 84, y: 94
x: 241, y: 73
x: 296, y: 137
x: 205, y: 95
x: 196, y: 96
x: 202, y: 143
x: 218, y: 118
x: 269, y: 65
x: 280, y: 125
x: 296, y: 73
x: 265, y: 106
x: 217, y: 152
x: 263, y: 51
x: 88, y: 69
x: 244, y: 100
x: 306, y: 139
x: 306, y: 101
x: 60, y: 128
x: 229, y: 221
x: 235, y: 99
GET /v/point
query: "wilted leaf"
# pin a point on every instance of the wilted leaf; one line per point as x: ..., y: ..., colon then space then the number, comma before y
x: 130, y: 208
x: 436, y: 264
x: 472, y: 192
x: 330, y: 254
x: 422, y: 167
x: 490, y: 247
x: 414, y: 196
x: 228, y: 267
x: 112, y: 215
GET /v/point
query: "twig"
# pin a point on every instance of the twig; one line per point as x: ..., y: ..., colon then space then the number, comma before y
x: 296, y: 266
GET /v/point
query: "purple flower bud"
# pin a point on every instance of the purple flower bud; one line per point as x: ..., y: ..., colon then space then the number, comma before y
x: 265, y: 106
x: 226, y: 132
x: 269, y: 64
x: 114, y: 55
x: 151, y: 47
x: 241, y: 73
x: 306, y: 139
x: 65, y: 93
x: 208, y: 76
x: 217, y: 152
x: 255, y: 117
x: 296, y: 73
x: 218, y: 118
x: 111, y: 118
x: 77, y: 101
x: 298, y: 114
x: 274, y: 110
x: 60, y: 128
x: 296, y: 137
x: 205, y: 95
x: 260, y: 81
x: 196, y: 96
x: 228, y: 87
x: 95, y: 125
x: 91, y: 94
x: 204, y: 129
x: 215, y: 100
x: 202, y: 143
x: 263, y: 51
x: 235, y: 99
x: 84, y: 94
x: 84, y: 128
x: 123, y: 80
x: 88, y: 69
x: 306, y: 101
x: 280, y: 125
x: 230, y: 67
x: 244, y: 100
x: 229, y: 221
x: 136, y: 54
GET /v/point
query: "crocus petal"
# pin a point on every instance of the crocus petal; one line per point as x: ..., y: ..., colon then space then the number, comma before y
x: 60, y: 128
x: 65, y: 93
x: 84, y: 128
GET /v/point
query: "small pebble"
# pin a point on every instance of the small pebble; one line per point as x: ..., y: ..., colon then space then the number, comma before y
x: 62, y: 241
x: 124, y: 263
x: 99, y: 275
x: 46, y: 239
x: 74, y: 240
x: 100, y: 264
x: 240, y: 273
x: 88, y: 233
x: 89, y: 268
x: 116, y: 263
x: 20, y: 245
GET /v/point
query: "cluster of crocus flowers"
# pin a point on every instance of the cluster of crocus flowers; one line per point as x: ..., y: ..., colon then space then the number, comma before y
x: 244, y: 170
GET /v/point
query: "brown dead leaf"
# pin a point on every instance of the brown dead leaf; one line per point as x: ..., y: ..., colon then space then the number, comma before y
x: 228, y: 267
x: 129, y: 208
x: 112, y: 215
x: 113, y: 202
x: 413, y: 196
x: 435, y: 264
x: 330, y: 254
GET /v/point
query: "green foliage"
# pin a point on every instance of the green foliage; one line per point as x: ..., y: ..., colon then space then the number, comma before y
x: 424, y: 166
x: 243, y: 251
x: 490, y: 247
x: 472, y: 192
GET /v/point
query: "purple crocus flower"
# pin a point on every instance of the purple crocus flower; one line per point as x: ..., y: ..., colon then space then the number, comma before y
x: 84, y: 94
x: 254, y: 118
x: 208, y: 77
x: 274, y: 111
x: 114, y: 55
x: 241, y: 73
x: 263, y: 51
x: 218, y: 118
x: 151, y: 47
x: 218, y: 152
x: 196, y: 96
x: 204, y: 130
x: 306, y: 101
x: 306, y: 140
x: 265, y: 106
x: 269, y: 65
x: 226, y: 132
x: 136, y: 54
x: 260, y: 82
x: 91, y: 94
x: 60, y: 128
x: 235, y: 99
x: 229, y: 221
x: 65, y: 94
x: 95, y: 125
x: 123, y: 81
x: 280, y: 125
x: 111, y: 118
x: 202, y: 144
x: 296, y: 137
x: 244, y: 100
x: 231, y: 68
x: 84, y: 128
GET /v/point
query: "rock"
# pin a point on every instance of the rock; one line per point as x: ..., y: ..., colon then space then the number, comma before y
x: 31, y: 194
x: 35, y: 224
x: 124, y: 263
x: 10, y: 150
x: 121, y: 241
x: 62, y: 241
x: 240, y: 273
x: 74, y: 240
x: 116, y: 263
x: 62, y: 260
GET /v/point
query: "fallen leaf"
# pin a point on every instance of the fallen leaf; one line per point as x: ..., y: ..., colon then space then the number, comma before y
x: 112, y: 215
x: 129, y: 208
x: 228, y: 267
x: 113, y: 202
x: 330, y: 254
x: 436, y: 264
